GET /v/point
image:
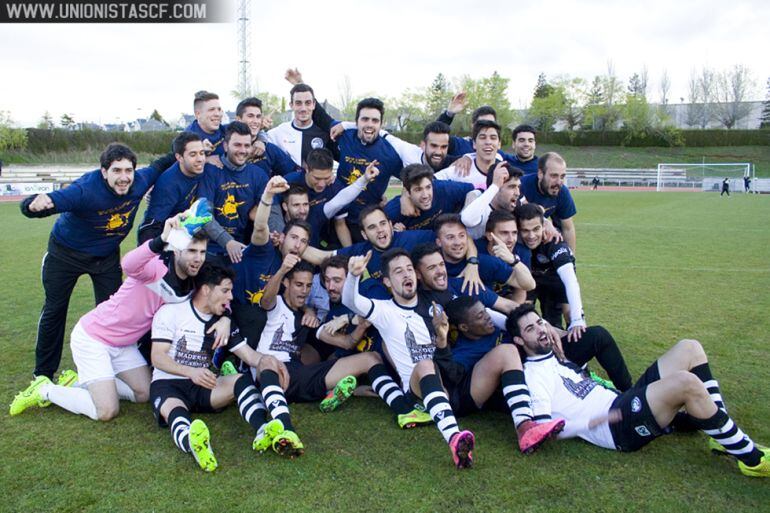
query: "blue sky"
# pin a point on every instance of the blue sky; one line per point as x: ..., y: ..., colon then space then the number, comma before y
x: 110, y: 72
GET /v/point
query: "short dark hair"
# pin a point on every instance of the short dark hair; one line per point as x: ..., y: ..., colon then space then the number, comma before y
x: 203, y: 96
x: 496, y: 217
x: 295, y: 189
x: 248, y: 102
x: 302, y: 266
x: 370, y: 103
x: 480, y: 125
x: 457, y: 309
x: 484, y: 110
x: 423, y: 250
x: 236, y: 127
x: 200, y: 235
x: 446, y: 219
x: 413, y: 174
x: 300, y: 223
x: 389, y: 256
x: 335, y: 262
x: 319, y: 158
x: 528, y: 211
x: 368, y: 210
x: 513, y: 172
x: 512, y: 322
x: 213, y: 275
x: 301, y: 88
x: 180, y: 141
x: 542, y: 162
x: 116, y: 151
x: 523, y: 128
x: 435, y: 127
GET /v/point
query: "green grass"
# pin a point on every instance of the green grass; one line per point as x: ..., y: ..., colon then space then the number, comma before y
x: 654, y: 268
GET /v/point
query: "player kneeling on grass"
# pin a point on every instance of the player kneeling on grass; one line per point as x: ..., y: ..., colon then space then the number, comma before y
x: 331, y: 381
x: 182, y: 382
x: 680, y: 379
x: 104, y: 341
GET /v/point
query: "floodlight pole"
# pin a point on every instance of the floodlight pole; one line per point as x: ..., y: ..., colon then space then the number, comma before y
x: 244, y: 47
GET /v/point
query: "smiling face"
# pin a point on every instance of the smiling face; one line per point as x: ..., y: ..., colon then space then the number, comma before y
x: 209, y: 115
x: 487, y: 143
x: 378, y: 230
x: 295, y: 241
x: 478, y: 322
x: 297, y: 289
x: 296, y: 206
x: 431, y: 271
x: 452, y: 238
x: 368, y: 124
x: 506, y: 231
x: 508, y: 195
x: 421, y: 194
x: 524, y: 146
x: 194, y: 158
x: 435, y: 146
x: 238, y: 148
x: 303, y: 105
x: 401, y: 278
x: 531, y: 231
x: 189, y: 261
x: 534, y: 335
x: 334, y: 280
x: 252, y: 116
x: 119, y: 176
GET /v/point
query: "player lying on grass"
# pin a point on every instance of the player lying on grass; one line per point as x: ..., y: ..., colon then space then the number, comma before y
x: 182, y: 383
x: 680, y: 379
x: 104, y: 341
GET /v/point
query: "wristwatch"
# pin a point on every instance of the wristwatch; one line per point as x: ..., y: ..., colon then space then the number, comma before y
x: 473, y: 260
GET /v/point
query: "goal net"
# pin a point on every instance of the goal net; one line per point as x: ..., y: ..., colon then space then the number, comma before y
x: 703, y: 177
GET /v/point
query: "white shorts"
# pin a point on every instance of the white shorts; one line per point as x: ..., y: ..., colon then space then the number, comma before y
x: 97, y: 361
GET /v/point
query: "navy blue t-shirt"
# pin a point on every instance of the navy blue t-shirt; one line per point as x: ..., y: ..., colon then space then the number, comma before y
x: 492, y: 270
x: 519, y: 249
x: 407, y: 240
x: 558, y: 208
x: 232, y: 195
x: 258, y: 265
x: 468, y: 352
x: 529, y: 167
x: 173, y: 193
x: 460, y: 146
x: 316, y: 217
x: 274, y: 161
x: 216, y: 139
x: 93, y: 218
x: 448, y: 198
x: 355, y: 156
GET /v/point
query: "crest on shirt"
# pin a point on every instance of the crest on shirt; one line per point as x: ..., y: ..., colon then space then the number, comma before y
x: 579, y: 389
x: 229, y: 208
x: 316, y: 143
x: 636, y: 405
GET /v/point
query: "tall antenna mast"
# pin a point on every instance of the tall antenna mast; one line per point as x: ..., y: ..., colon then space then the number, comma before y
x: 244, y: 47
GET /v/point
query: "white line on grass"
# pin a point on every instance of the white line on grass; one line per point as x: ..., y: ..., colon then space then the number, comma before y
x: 755, y: 270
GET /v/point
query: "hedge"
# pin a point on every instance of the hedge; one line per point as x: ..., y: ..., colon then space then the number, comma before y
x: 60, y: 140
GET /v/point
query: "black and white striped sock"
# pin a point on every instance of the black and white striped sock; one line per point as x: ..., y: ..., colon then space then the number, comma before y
x: 437, y: 404
x: 703, y: 372
x: 516, y: 395
x: 721, y: 428
x: 272, y: 393
x: 179, y: 424
x: 250, y: 402
x: 385, y: 387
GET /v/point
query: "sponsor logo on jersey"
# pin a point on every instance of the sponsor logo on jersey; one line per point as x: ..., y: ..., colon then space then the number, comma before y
x: 643, y: 431
x: 636, y: 405
x: 580, y: 389
x: 560, y: 251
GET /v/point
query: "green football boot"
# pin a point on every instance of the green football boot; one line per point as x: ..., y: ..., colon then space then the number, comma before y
x: 266, y: 434
x: 200, y: 444
x: 30, y: 396
x: 413, y: 419
x: 341, y: 393
x: 287, y: 443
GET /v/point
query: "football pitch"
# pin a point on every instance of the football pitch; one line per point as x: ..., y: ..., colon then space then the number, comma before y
x: 653, y: 268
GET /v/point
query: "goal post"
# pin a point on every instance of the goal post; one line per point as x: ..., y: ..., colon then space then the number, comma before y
x: 703, y: 176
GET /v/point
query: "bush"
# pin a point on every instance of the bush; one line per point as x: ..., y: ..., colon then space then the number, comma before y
x: 60, y: 140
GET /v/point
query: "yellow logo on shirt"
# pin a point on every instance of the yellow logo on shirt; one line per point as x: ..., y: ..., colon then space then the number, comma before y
x: 116, y: 221
x: 355, y: 174
x: 230, y: 207
x: 255, y: 297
